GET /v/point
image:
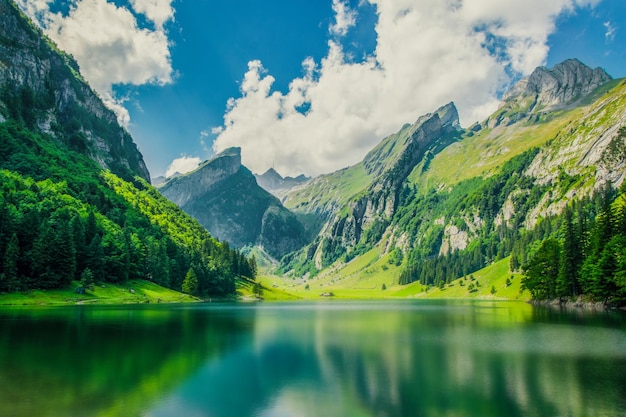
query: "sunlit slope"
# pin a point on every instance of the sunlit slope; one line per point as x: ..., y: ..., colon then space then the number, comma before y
x: 324, y: 194
x: 484, y: 147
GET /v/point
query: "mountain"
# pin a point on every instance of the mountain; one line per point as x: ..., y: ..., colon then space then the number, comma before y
x: 370, y: 203
x: 42, y: 87
x: 75, y: 202
x: 435, y: 202
x: 274, y: 183
x: 224, y: 197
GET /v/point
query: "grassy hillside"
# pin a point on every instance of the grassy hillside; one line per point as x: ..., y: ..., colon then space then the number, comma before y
x: 130, y: 292
x: 326, y: 192
x: 364, y: 277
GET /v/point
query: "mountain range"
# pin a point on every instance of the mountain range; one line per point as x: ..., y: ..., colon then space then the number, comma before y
x: 429, y: 204
x: 436, y: 201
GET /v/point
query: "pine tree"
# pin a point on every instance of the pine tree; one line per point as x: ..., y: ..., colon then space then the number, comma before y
x: 190, y: 283
x: 542, y: 270
x: 569, y: 263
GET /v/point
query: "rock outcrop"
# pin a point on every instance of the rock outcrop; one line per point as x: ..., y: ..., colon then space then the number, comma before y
x: 564, y: 84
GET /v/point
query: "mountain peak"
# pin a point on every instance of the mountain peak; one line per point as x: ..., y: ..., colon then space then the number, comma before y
x: 449, y: 116
x: 276, y: 184
x: 566, y: 82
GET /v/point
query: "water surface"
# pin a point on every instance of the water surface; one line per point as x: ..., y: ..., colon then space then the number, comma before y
x: 330, y: 358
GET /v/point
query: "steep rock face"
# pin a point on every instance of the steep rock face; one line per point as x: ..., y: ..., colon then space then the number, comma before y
x: 42, y: 87
x: 278, y: 185
x: 225, y: 198
x: 532, y: 98
x: 390, y: 163
x: 185, y: 188
x: 566, y: 82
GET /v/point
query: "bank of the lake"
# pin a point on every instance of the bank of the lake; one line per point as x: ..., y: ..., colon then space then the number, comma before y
x: 130, y: 292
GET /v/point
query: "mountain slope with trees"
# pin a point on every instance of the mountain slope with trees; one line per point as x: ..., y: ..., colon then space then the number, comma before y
x: 470, y: 197
x: 75, y: 203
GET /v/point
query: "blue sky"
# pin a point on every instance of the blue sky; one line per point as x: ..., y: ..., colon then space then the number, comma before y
x: 311, y: 86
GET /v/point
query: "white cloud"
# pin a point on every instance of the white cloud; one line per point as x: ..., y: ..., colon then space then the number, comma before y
x: 159, y: 11
x: 427, y: 54
x: 345, y: 18
x: 182, y: 165
x: 108, y: 44
x: 609, y: 35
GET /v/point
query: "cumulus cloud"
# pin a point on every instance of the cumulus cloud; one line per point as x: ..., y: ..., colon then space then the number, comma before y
x: 345, y: 18
x: 108, y: 43
x: 427, y: 54
x: 159, y: 11
x: 182, y: 165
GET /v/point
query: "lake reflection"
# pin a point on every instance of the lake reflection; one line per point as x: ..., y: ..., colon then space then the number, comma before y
x: 380, y: 358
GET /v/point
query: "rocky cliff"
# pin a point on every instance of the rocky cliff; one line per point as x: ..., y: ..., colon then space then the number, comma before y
x: 565, y: 83
x: 388, y: 165
x: 224, y: 197
x: 41, y: 87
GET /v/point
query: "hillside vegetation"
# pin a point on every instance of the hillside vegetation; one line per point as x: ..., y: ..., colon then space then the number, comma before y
x: 74, y: 201
x: 445, y: 202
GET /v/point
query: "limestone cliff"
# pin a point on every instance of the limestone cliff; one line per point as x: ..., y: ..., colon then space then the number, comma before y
x: 41, y: 87
x: 388, y: 164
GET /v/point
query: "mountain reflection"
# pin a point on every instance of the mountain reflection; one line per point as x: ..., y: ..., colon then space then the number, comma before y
x: 377, y: 358
x: 407, y: 359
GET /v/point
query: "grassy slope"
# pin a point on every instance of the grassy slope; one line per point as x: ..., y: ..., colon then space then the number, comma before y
x: 335, y: 188
x: 483, y: 152
x: 364, y: 277
x: 486, y: 151
x: 145, y: 292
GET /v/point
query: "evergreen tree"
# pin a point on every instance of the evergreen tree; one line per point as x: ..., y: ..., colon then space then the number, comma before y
x: 80, y: 245
x: 9, y: 280
x: 94, y: 261
x: 567, y: 280
x: 86, y: 279
x: 542, y: 270
x: 190, y: 283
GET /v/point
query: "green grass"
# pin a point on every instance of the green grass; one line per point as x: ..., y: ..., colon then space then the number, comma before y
x: 364, y: 277
x: 338, y: 188
x: 494, y: 275
x: 487, y: 151
x: 144, y: 292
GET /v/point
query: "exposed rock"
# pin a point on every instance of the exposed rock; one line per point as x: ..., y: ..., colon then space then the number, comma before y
x: 225, y: 198
x: 564, y: 83
x: 65, y: 106
x: 454, y: 239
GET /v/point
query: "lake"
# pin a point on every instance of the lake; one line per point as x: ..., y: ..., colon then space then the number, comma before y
x: 327, y: 358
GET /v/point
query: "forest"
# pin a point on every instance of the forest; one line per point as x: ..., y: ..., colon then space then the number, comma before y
x: 578, y: 252
x: 62, y: 218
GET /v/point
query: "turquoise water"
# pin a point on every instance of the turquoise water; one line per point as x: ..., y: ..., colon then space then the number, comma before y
x: 378, y: 358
